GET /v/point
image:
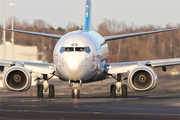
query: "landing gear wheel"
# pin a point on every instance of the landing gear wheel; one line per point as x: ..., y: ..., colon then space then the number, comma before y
x: 113, y: 91
x: 40, y: 91
x: 124, y: 91
x: 51, y: 91
x: 78, y: 94
x: 72, y: 95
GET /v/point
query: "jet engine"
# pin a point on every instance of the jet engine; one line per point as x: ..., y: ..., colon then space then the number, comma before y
x: 17, y: 78
x: 142, y: 78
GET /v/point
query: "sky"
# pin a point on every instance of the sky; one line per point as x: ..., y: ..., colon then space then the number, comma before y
x: 61, y: 12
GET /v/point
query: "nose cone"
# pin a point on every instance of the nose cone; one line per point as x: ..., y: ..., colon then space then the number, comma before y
x: 73, y: 65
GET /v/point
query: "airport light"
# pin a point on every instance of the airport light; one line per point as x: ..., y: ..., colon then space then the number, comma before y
x: 12, y: 34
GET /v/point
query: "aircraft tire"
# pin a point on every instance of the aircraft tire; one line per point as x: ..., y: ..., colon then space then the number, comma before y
x: 72, y: 94
x: 124, y: 91
x: 113, y: 91
x: 40, y: 91
x: 78, y: 94
x: 51, y: 91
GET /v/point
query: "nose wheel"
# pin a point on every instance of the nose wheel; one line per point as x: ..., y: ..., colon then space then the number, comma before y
x: 75, y: 92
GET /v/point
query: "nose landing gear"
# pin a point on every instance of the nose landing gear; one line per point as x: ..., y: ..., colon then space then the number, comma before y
x: 75, y: 92
x: 118, y: 89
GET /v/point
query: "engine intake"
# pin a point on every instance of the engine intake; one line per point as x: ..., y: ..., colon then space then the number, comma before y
x: 142, y: 78
x: 17, y: 78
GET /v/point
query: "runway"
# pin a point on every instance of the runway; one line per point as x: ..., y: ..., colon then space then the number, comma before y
x: 95, y: 103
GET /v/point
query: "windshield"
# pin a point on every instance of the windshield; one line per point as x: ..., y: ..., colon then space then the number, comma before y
x: 78, y: 49
x: 68, y: 49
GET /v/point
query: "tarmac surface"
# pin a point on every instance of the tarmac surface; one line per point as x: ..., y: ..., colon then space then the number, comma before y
x: 95, y: 103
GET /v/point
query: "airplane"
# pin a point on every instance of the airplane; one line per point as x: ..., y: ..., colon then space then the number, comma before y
x: 81, y: 57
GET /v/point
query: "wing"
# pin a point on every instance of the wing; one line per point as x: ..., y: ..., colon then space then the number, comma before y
x: 37, y: 33
x: 108, y: 38
x: 114, y: 68
x: 43, y: 68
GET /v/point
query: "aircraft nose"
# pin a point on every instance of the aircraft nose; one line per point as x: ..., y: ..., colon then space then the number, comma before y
x: 74, y: 66
x: 74, y: 63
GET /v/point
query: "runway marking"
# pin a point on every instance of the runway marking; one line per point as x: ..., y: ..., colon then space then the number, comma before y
x: 30, y: 100
x: 25, y: 105
x: 50, y: 99
x: 34, y: 100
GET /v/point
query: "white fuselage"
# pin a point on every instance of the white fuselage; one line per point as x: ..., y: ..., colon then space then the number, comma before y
x: 80, y: 55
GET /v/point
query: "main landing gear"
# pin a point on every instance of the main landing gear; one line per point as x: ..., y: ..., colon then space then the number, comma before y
x: 118, y: 88
x: 45, y: 88
x: 75, y: 92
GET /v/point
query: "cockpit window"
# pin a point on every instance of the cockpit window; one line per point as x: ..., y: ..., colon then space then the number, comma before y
x: 62, y: 49
x: 68, y: 49
x: 87, y: 49
x: 80, y: 49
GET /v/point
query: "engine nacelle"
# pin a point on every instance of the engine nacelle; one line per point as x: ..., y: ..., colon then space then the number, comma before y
x: 17, y: 78
x: 142, y: 78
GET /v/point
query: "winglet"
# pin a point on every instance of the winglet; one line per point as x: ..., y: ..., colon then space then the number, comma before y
x: 87, y: 21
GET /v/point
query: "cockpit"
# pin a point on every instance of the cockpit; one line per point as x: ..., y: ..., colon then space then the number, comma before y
x: 75, y: 49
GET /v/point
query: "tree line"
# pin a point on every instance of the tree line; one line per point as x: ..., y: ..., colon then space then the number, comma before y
x: 145, y: 47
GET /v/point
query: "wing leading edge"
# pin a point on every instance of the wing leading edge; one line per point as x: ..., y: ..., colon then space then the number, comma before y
x: 114, y: 68
x: 37, y: 33
x: 109, y: 38
x: 43, y: 68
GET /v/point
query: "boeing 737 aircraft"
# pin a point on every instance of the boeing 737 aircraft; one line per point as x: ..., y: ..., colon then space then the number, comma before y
x: 81, y: 57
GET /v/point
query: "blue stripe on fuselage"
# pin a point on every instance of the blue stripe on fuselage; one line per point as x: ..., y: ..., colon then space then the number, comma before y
x: 87, y: 22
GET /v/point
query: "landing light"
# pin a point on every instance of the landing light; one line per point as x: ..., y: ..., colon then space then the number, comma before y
x: 75, y: 90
